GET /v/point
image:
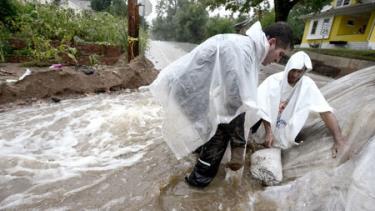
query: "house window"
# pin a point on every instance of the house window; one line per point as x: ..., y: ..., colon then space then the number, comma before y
x: 320, y: 28
x: 313, y: 28
x: 325, y: 27
x: 340, y: 3
x: 350, y: 23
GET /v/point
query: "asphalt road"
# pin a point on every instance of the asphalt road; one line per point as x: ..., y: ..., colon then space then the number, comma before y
x: 162, y: 53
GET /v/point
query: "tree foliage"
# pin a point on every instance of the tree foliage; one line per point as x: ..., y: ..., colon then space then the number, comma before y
x: 100, y: 5
x: 219, y: 25
x: 115, y: 7
x: 180, y: 20
x: 297, y: 24
x: 119, y: 8
x: 191, y: 21
x: 187, y: 21
x: 282, y: 7
x: 8, y: 11
x: 294, y: 21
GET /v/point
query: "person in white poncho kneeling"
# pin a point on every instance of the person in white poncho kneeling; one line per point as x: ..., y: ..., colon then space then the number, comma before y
x: 285, y: 100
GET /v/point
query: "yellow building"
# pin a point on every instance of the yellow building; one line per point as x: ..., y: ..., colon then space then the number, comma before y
x: 344, y: 23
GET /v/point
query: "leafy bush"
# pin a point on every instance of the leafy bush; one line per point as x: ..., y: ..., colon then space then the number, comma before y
x: 144, y: 41
x: 8, y: 11
x: 268, y: 18
x: 187, y: 21
x: 191, y: 21
x: 219, y: 25
x: 4, y: 45
x: 119, y: 8
x: 42, y: 26
x: 55, y: 23
x: 100, y: 5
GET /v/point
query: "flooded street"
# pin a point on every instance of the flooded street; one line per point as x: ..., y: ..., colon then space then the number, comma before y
x: 98, y: 152
x: 68, y: 154
x: 106, y: 152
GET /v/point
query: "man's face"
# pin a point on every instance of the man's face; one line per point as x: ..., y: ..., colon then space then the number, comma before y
x: 274, y: 53
x: 294, y: 75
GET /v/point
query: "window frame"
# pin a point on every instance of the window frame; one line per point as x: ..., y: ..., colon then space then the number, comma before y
x: 319, y: 28
x: 342, y: 3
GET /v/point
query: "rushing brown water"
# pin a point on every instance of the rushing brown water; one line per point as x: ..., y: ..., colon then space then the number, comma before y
x: 106, y: 152
x: 99, y: 152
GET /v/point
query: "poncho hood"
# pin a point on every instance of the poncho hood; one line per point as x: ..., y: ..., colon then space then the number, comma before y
x: 261, y: 44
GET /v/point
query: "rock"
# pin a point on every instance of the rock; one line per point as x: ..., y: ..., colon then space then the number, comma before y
x: 55, y: 99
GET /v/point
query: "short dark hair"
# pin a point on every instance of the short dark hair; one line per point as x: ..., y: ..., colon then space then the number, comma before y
x: 282, y: 32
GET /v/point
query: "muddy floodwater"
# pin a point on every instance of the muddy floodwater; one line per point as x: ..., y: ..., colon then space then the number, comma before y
x: 99, y: 152
x: 106, y: 152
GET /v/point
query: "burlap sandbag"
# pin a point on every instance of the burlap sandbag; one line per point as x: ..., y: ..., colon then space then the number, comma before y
x: 266, y: 166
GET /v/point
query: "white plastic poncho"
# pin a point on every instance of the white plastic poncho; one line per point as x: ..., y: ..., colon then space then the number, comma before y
x: 211, y: 85
x: 305, y: 97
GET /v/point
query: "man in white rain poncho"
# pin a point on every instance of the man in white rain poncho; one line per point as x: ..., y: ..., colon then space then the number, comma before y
x: 205, y: 93
x: 285, y: 100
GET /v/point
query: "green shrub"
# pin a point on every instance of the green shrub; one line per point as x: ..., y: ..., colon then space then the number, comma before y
x: 41, y: 25
x: 44, y: 26
x: 8, y: 11
x: 143, y: 41
x: 4, y: 45
x: 100, y: 5
x: 219, y: 25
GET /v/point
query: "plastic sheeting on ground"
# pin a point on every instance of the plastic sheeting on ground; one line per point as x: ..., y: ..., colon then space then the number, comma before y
x: 315, y: 181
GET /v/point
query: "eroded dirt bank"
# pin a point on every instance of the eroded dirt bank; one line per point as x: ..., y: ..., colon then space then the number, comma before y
x: 70, y: 81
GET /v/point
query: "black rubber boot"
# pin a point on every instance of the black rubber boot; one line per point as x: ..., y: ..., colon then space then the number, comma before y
x: 213, y: 151
x: 198, y: 180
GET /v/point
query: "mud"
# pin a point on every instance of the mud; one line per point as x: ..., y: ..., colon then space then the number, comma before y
x: 71, y: 81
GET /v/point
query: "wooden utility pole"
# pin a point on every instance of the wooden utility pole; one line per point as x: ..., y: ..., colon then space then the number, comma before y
x: 133, y: 29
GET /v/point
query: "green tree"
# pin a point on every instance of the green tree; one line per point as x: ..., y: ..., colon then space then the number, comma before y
x: 191, y: 20
x: 164, y: 25
x: 163, y: 28
x: 219, y: 25
x: 8, y: 11
x: 100, y: 5
x: 187, y: 21
x: 297, y: 24
x: 282, y: 7
x: 119, y: 8
x: 179, y: 20
x: 294, y: 21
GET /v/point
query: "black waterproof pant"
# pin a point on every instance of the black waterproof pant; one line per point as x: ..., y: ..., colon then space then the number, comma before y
x: 212, y: 152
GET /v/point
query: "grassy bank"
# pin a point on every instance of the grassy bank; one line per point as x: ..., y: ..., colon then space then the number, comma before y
x: 48, y: 31
x: 348, y: 53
